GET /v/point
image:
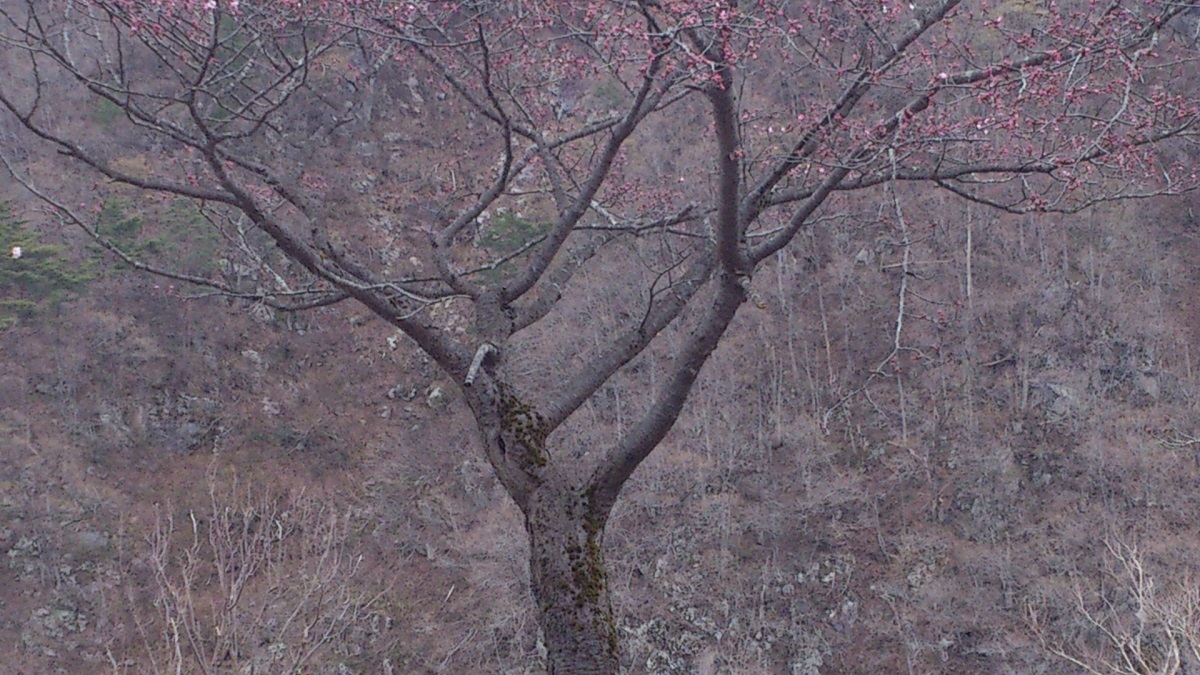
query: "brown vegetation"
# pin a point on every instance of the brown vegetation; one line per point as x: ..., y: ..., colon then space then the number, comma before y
x: 906, y: 455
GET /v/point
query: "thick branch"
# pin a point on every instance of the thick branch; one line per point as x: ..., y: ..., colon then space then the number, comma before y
x: 452, y: 357
x: 645, y: 102
x: 446, y: 237
x: 300, y: 300
x: 620, y: 462
x: 553, y: 284
x: 729, y: 228
x: 813, y: 197
x: 859, y: 87
x: 76, y: 151
x: 623, y: 349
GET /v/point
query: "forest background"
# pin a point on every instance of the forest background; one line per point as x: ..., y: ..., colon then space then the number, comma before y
x: 958, y: 440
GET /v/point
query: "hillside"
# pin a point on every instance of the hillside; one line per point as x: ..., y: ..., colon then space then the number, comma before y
x: 933, y: 442
x: 915, y: 526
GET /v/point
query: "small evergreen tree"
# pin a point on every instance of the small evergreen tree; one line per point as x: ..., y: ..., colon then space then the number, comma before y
x: 33, y: 276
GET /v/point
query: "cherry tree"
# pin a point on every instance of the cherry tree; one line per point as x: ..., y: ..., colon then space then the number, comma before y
x: 557, y: 142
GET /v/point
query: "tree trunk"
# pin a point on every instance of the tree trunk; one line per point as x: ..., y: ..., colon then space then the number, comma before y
x: 569, y: 581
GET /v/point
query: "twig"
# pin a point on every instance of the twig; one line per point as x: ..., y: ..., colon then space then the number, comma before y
x: 477, y: 363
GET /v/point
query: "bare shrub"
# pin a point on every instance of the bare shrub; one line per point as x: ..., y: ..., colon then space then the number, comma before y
x: 1131, y: 625
x: 251, y: 584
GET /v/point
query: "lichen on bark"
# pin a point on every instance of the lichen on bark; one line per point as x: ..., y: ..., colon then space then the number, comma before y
x: 525, y: 425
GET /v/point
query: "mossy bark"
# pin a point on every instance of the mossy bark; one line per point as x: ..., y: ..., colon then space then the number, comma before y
x: 570, y: 583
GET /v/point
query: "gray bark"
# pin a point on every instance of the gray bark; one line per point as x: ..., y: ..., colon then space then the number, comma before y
x: 569, y: 581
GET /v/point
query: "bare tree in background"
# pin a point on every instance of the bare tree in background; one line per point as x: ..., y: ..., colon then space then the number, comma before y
x: 1133, y: 625
x: 251, y: 584
x: 701, y: 137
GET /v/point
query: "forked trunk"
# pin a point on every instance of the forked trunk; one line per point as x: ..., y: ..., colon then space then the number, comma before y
x: 569, y: 582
